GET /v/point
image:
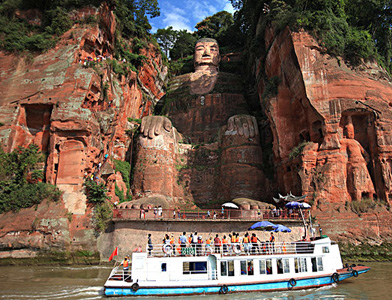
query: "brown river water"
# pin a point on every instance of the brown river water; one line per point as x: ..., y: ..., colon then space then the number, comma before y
x: 86, y: 282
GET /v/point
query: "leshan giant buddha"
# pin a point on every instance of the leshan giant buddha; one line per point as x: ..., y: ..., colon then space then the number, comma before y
x: 205, y: 148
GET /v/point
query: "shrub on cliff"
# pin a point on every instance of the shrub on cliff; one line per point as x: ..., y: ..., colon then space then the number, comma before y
x: 102, y: 215
x: 15, y: 190
x: 97, y: 195
x: 96, y: 192
x: 124, y: 168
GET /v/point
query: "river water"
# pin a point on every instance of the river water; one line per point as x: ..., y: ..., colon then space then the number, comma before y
x: 86, y: 282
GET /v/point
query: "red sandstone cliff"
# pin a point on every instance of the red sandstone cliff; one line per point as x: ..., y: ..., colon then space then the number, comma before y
x: 342, y: 117
x: 77, y: 115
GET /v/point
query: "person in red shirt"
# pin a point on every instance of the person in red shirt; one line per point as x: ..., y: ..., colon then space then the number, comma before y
x: 217, y: 244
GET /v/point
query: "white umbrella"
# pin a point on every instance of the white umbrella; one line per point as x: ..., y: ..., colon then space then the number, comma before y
x: 229, y: 205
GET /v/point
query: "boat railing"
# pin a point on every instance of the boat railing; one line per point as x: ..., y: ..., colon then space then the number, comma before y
x: 119, y: 274
x: 202, y: 249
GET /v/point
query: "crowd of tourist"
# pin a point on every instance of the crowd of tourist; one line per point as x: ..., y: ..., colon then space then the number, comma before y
x: 231, y: 244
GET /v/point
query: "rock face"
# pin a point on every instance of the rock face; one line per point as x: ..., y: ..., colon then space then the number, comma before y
x: 209, y: 162
x: 77, y: 112
x: 330, y: 124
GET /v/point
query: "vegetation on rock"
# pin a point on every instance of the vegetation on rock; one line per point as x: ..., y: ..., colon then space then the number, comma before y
x: 124, y: 168
x: 354, y: 29
x: 18, y: 34
x: 366, y: 252
x: 97, y: 195
x: 16, y: 191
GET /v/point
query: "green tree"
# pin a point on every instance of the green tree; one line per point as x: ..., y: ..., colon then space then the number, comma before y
x: 184, y: 45
x: 215, y: 26
x: 96, y: 193
x: 132, y: 16
x: 355, y: 29
x: 15, y: 190
x: 166, y: 38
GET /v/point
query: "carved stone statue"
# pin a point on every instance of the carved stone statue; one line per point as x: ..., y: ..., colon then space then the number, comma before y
x: 359, y: 183
x: 206, y: 147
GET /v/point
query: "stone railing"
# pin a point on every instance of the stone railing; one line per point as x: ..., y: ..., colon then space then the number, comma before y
x: 205, y: 214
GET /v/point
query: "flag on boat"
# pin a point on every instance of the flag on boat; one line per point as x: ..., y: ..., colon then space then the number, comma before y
x: 114, y: 253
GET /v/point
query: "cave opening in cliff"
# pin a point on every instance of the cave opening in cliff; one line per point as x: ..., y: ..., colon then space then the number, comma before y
x: 37, y: 121
x: 38, y: 117
x: 317, y: 135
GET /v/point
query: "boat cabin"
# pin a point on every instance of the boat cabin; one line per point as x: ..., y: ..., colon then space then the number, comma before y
x: 298, y: 259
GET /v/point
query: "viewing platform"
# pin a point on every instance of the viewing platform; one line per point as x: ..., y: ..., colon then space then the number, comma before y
x: 207, y: 214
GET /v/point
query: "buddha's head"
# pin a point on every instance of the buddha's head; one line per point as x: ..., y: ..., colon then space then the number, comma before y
x: 207, y: 55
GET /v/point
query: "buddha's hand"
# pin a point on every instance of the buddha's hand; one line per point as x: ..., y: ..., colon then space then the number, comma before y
x: 152, y: 126
x: 244, y: 125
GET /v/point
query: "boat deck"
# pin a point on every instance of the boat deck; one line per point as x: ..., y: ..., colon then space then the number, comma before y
x: 236, y: 249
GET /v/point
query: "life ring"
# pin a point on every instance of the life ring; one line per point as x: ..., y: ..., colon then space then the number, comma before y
x: 293, y: 282
x: 135, y: 287
x: 335, y: 277
x: 355, y: 273
x: 237, y: 249
x: 224, y: 289
x: 167, y: 249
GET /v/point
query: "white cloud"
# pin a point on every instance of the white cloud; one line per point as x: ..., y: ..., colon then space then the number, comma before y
x: 229, y: 8
x: 176, y: 21
x: 175, y: 17
x: 185, y: 14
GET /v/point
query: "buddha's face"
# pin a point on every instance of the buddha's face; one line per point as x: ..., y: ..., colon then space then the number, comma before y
x: 206, y: 54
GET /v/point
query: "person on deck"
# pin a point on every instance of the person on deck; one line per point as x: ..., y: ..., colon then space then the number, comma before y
x: 208, y: 246
x: 272, y: 242
x: 183, y: 242
x: 255, y: 246
x: 224, y: 243
x: 150, y: 246
x: 125, y: 264
x: 217, y: 244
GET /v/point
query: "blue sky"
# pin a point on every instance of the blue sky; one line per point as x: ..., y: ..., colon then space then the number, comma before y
x: 185, y: 14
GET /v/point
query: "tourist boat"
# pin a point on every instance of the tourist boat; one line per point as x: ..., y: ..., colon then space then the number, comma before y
x: 267, y: 267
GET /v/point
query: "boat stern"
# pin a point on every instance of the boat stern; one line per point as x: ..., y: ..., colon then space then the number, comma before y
x: 349, y: 271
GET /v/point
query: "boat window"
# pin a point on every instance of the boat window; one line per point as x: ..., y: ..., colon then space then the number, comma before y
x: 243, y: 267
x: 286, y: 266
x: 304, y: 266
x: 197, y: 267
x: 223, y: 268
x: 250, y: 267
x: 326, y: 249
x: 163, y: 267
x: 314, y: 264
x: 268, y: 265
x: 265, y: 266
x: 231, y: 267
x: 320, y: 264
x: 283, y: 265
x: 247, y: 267
x: 300, y: 265
x: 317, y: 264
